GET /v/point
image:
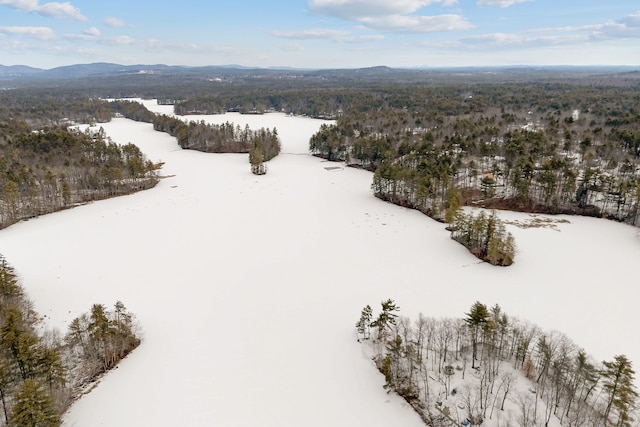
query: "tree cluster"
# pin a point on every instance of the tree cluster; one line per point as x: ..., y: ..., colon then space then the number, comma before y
x: 100, y: 339
x: 519, y: 374
x: 55, y: 168
x: 131, y: 110
x: 485, y: 236
x: 42, y: 373
x: 224, y: 138
x: 420, y: 179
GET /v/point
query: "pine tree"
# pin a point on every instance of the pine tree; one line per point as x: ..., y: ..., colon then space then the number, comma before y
x: 619, y: 385
x: 10, y: 290
x: 34, y: 407
x: 5, y: 386
x: 476, y: 319
x: 386, y: 317
x: 364, y: 324
x: 256, y: 159
x: 454, y: 204
x: 19, y: 342
x: 100, y: 334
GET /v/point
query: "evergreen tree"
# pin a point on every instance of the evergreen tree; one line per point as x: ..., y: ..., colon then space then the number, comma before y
x: 5, y: 386
x: 454, y: 204
x: 364, y: 324
x: 100, y: 334
x: 10, y: 290
x: 477, y: 318
x: 34, y: 407
x: 386, y: 317
x: 619, y: 385
x: 256, y: 159
x: 19, y: 342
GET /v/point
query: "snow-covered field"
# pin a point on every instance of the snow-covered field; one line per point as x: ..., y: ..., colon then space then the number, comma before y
x: 247, y: 287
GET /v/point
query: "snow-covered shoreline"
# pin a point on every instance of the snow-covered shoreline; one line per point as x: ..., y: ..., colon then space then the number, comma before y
x: 247, y: 287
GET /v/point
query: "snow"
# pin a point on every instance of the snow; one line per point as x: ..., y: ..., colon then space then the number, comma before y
x: 248, y: 288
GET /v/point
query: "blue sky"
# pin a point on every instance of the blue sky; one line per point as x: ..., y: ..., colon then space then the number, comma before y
x: 321, y: 33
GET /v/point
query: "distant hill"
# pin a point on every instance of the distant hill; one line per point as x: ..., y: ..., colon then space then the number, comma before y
x: 102, y: 70
x: 17, y: 71
x: 99, y: 69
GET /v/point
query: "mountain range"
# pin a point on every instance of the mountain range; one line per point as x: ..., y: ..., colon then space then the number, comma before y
x: 103, y: 69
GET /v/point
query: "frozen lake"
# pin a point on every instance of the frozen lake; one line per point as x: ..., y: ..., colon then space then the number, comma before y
x: 248, y: 287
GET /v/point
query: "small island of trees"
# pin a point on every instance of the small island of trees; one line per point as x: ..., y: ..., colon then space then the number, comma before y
x: 224, y: 138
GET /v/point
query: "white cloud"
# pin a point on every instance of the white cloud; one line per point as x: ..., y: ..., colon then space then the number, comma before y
x: 355, y: 9
x: 155, y: 45
x: 417, y: 24
x: 311, y: 34
x: 394, y: 16
x: 53, y: 9
x: 631, y: 20
x: 364, y: 39
x: 112, y: 21
x: 118, y: 40
x: 627, y: 27
x: 61, y: 10
x: 505, y: 40
x: 339, y: 36
x: 40, y: 33
x: 499, y: 3
x: 291, y: 47
x: 92, y: 32
x: 24, y: 5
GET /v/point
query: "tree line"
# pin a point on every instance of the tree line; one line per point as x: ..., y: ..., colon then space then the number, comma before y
x: 525, y: 169
x: 41, y: 373
x: 223, y: 138
x: 519, y: 374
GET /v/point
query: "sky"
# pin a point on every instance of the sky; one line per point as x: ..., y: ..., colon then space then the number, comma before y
x: 321, y: 33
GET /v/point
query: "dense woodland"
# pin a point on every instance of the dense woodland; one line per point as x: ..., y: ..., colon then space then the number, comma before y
x: 41, y: 374
x: 492, y: 366
x: 49, y: 169
x: 539, y: 148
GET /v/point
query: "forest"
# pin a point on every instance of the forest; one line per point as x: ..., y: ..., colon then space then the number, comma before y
x: 489, y: 365
x: 532, y: 151
x: 535, y: 141
x: 54, y: 168
x: 42, y: 373
x: 544, y: 148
